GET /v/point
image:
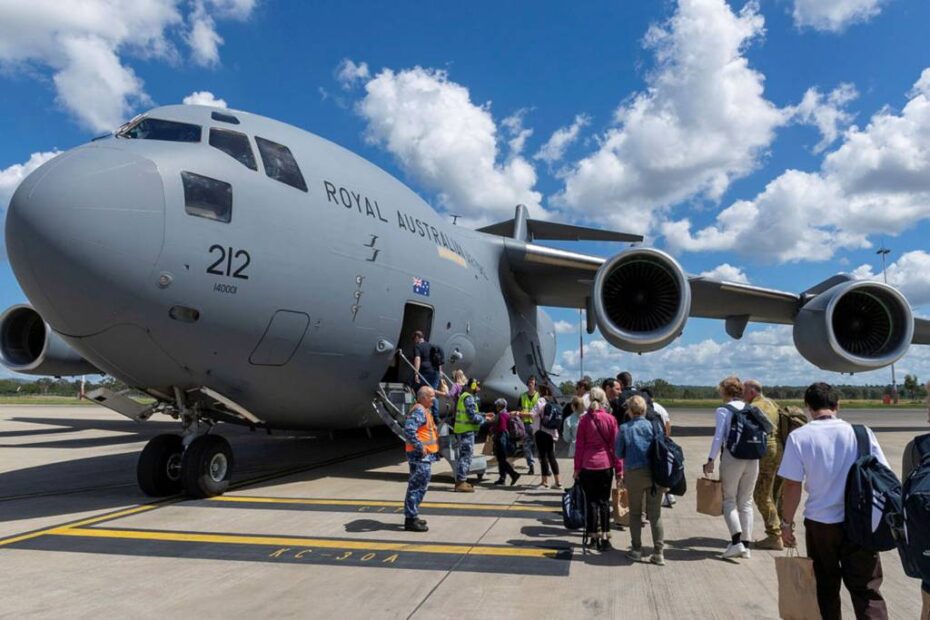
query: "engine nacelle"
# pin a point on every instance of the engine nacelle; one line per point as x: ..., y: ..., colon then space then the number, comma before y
x: 642, y: 299
x: 28, y: 345
x: 854, y: 326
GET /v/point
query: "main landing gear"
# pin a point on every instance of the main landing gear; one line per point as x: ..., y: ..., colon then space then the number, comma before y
x: 203, y: 469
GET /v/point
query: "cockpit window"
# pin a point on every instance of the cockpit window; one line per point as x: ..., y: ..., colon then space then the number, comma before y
x: 158, y: 129
x: 225, y: 118
x: 234, y: 144
x: 206, y: 197
x: 280, y: 163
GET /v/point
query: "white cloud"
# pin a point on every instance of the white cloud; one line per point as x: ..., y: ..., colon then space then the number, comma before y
x: 204, y: 97
x: 876, y: 182
x: 701, y: 123
x: 834, y: 15
x: 513, y: 124
x: 910, y: 274
x: 10, y: 178
x: 727, y: 273
x: 554, y: 149
x: 85, y: 47
x: 764, y: 353
x: 564, y: 327
x: 348, y: 74
x: 447, y: 143
x: 827, y: 113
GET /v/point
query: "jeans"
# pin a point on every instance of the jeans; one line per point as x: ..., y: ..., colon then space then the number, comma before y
x: 505, y: 468
x: 545, y: 445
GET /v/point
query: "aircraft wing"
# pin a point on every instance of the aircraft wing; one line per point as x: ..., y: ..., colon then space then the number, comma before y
x: 559, y: 278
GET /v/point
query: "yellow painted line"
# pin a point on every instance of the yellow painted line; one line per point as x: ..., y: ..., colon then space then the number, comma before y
x: 293, y: 541
x: 90, y: 521
x: 378, y: 503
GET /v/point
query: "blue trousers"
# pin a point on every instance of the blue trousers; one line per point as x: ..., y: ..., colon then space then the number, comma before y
x: 420, y: 472
x: 464, y: 449
x: 529, y: 446
x: 433, y: 379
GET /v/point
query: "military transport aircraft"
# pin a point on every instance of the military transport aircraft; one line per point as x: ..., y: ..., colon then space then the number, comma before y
x: 238, y: 269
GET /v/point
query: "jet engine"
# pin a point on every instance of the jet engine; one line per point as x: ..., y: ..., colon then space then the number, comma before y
x: 642, y: 299
x: 28, y: 345
x: 854, y: 326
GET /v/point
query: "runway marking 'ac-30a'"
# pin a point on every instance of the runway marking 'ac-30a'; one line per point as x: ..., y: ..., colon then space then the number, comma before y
x: 239, y: 269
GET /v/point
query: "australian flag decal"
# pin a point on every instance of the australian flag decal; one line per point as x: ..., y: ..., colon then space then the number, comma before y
x: 421, y: 287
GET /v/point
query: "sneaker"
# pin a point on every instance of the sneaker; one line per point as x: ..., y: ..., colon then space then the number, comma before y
x: 605, y: 545
x: 771, y: 542
x: 514, y: 479
x: 634, y: 554
x: 500, y: 482
x: 464, y: 487
x: 746, y: 553
x: 733, y: 551
x: 658, y: 559
x: 557, y: 485
x: 668, y: 502
x: 415, y: 525
x: 531, y: 471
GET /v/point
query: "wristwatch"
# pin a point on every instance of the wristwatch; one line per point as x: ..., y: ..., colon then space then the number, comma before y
x: 787, y: 525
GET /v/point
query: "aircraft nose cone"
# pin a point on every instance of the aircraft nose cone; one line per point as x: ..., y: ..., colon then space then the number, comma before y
x: 83, y: 233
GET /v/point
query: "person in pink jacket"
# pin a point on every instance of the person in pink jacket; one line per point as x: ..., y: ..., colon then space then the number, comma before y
x: 595, y: 463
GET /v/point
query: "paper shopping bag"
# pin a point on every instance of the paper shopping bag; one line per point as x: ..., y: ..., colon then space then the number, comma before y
x: 797, y: 587
x: 709, y: 497
x: 621, y: 506
x: 488, y: 449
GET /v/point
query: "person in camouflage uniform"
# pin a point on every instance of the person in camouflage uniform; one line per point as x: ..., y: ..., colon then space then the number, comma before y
x: 422, y: 448
x: 767, y: 489
x: 468, y: 421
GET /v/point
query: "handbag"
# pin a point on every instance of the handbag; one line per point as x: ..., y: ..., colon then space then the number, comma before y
x: 620, y: 503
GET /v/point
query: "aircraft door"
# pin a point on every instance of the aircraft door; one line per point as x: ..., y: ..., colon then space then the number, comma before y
x: 283, y: 335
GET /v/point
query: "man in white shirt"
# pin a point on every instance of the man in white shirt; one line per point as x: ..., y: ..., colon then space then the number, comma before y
x: 821, y: 454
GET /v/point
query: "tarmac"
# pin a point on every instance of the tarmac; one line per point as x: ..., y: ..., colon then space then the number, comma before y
x: 313, y: 528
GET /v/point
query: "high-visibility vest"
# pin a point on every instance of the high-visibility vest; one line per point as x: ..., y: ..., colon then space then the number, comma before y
x: 427, y: 435
x: 527, y: 403
x: 463, y: 423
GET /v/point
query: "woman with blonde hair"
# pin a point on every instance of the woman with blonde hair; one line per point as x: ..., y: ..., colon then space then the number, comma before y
x: 459, y: 383
x: 737, y: 476
x: 595, y: 463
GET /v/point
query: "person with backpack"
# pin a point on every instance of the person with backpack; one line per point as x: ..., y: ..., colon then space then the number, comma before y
x: 500, y: 425
x: 595, y: 463
x: 627, y: 391
x: 467, y: 422
x: 764, y: 493
x: 546, y: 417
x: 737, y: 474
x: 915, y: 470
x: 821, y: 454
x: 427, y: 365
x: 528, y: 400
x: 634, y: 444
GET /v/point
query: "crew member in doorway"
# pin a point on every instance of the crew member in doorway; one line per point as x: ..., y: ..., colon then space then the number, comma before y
x: 528, y: 400
x: 424, y: 368
x: 467, y: 422
x: 422, y: 447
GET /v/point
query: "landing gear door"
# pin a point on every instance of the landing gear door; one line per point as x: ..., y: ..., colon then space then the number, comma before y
x: 283, y: 335
x: 527, y: 357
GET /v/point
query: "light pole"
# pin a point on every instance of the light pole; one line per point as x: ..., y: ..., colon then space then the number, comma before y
x: 883, y: 252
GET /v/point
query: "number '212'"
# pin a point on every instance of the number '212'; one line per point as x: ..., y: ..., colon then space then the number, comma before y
x: 226, y: 256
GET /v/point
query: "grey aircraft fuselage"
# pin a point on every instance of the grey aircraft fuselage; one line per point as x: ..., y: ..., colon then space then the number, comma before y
x: 294, y: 307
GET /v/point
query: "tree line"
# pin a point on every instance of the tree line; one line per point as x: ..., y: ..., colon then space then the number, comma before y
x: 48, y: 386
x: 661, y: 389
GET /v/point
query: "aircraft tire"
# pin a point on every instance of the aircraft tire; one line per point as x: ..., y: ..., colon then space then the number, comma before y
x: 207, y: 466
x: 159, y: 468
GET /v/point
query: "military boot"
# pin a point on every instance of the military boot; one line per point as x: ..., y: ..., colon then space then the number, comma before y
x: 771, y: 542
x: 415, y: 525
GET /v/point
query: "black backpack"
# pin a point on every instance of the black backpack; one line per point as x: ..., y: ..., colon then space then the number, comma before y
x: 551, y: 417
x: 873, y: 499
x: 625, y: 397
x: 437, y: 357
x: 749, y: 433
x: 574, y: 505
x: 914, y: 539
x: 667, y: 461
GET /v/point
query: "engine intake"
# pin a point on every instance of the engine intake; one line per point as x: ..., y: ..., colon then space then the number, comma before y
x: 28, y: 345
x: 854, y: 327
x: 642, y: 299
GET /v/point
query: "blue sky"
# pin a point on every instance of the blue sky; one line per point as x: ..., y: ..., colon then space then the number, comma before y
x: 783, y: 140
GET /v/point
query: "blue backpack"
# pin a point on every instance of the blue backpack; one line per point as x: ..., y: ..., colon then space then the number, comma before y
x: 573, y: 507
x: 914, y: 541
x: 873, y: 499
x: 667, y: 461
x: 749, y: 433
